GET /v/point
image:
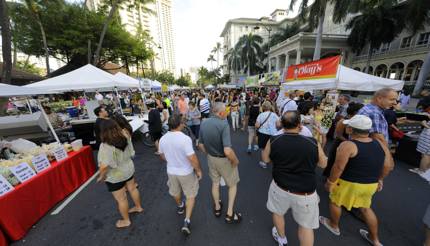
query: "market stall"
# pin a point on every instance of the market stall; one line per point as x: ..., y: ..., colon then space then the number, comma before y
x: 329, y: 74
x: 30, y: 200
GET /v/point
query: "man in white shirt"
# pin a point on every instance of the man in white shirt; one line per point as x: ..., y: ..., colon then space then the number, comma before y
x: 288, y: 104
x: 99, y: 97
x: 183, y: 168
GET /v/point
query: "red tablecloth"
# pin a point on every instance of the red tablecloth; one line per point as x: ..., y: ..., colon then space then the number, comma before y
x: 23, y: 207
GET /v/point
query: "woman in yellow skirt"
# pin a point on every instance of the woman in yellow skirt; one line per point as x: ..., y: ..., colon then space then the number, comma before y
x: 358, y: 172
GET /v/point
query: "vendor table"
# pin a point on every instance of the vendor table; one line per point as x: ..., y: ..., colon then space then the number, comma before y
x: 30, y: 201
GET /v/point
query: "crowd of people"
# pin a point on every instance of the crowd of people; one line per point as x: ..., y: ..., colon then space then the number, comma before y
x: 290, y: 130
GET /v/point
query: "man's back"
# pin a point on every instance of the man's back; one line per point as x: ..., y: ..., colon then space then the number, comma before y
x: 176, y: 147
x: 294, y: 160
x: 215, y: 135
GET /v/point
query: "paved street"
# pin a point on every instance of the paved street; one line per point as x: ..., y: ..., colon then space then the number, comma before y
x: 89, y: 219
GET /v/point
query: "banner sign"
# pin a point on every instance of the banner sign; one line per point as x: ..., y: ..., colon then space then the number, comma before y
x: 273, y: 78
x: 22, y: 172
x: 252, y: 81
x: 321, y: 69
x: 5, y: 186
x: 40, y: 162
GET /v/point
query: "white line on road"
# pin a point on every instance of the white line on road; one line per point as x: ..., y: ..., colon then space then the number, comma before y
x: 71, y: 197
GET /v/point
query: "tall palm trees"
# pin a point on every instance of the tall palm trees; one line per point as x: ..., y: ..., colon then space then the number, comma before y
x: 234, y: 61
x: 250, y: 51
x: 374, y: 26
x: 114, y: 5
x: 316, y: 16
x: 211, y: 59
x: 216, y: 50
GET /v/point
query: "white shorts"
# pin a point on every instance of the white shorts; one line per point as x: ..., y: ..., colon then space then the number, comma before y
x: 305, y: 208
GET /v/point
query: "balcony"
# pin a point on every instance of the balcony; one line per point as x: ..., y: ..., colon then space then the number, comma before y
x: 402, y: 52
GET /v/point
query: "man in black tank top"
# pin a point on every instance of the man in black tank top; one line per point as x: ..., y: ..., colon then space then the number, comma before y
x: 294, y: 159
x: 361, y: 165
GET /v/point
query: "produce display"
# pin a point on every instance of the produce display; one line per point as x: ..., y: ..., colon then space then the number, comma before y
x: 26, y: 156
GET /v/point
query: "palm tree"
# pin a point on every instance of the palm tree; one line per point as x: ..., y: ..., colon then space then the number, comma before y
x: 35, y: 7
x: 284, y: 33
x: 418, y: 14
x: 316, y: 16
x: 216, y: 50
x: 234, y: 59
x: 250, y: 51
x: 211, y: 59
x: 114, y: 5
x: 6, y: 75
x: 375, y: 26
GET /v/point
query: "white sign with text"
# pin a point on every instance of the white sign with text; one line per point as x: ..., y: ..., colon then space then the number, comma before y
x: 22, y: 172
x: 60, y: 153
x: 40, y: 162
x: 5, y: 186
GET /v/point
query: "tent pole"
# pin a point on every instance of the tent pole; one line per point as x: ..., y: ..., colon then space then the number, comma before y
x: 48, y: 122
x: 119, y: 101
x: 29, y: 106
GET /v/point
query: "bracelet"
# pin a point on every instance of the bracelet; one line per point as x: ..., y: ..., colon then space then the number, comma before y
x: 328, y: 181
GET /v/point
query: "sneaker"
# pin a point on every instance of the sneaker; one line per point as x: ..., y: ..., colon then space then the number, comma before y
x: 262, y: 164
x: 181, y: 209
x: 256, y: 148
x: 278, y: 239
x: 249, y: 150
x: 186, y: 229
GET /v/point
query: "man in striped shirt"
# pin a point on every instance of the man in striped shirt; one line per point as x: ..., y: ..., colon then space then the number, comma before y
x: 204, y: 106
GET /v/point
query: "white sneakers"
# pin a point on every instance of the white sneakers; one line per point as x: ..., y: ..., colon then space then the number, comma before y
x: 278, y: 239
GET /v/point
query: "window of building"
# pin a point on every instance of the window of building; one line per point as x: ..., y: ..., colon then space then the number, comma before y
x: 406, y: 42
x: 423, y: 39
x: 385, y: 47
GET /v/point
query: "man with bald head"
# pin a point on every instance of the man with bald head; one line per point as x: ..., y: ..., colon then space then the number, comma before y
x: 222, y: 161
x: 295, y: 158
x: 382, y: 99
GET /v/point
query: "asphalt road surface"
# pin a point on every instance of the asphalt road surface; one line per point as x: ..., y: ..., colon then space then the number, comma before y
x: 90, y: 218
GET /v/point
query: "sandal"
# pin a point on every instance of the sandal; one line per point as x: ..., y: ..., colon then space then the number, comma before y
x: 324, y: 222
x: 122, y: 224
x: 235, y: 218
x: 365, y: 235
x: 218, y: 212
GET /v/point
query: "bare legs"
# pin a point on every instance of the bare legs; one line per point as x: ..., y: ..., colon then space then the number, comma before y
x: 252, y: 138
x: 306, y: 236
x: 368, y: 215
x: 425, y: 163
x: 121, y: 199
x: 427, y: 242
x: 232, y: 191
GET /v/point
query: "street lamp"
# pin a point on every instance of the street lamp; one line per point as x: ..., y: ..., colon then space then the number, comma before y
x: 268, y: 29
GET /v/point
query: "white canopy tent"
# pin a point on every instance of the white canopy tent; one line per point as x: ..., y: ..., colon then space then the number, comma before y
x: 346, y: 79
x: 12, y: 90
x: 209, y: 87
x: 87, y: 77
x: 124, y: 78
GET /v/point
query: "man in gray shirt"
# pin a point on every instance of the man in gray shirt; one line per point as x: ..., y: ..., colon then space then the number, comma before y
x: 222, y: 161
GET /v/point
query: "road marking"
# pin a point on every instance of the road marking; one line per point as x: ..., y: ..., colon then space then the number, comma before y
x: 71, y: 197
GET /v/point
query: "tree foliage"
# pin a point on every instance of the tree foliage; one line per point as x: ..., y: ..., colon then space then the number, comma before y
x: 184, y: 80
x: 68, y: 38
x: 164, y: 76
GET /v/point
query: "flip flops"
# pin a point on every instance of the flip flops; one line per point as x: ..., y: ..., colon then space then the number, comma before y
x: 365, y: 235
x: 324, y: 221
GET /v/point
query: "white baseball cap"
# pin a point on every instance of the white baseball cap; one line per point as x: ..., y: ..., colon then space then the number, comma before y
x: 360, y: 122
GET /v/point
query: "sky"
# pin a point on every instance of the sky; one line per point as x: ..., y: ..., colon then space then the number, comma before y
x: 198, y: 24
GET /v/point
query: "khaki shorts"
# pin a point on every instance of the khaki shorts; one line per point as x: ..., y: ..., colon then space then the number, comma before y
x: 221, y: 167
x: 305, y: 208
x: 189, y: 184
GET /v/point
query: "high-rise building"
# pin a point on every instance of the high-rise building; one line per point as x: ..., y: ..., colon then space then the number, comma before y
x: 158, y: 24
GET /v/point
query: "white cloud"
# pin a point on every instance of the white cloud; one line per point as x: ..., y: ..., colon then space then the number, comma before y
x: 198, y: 24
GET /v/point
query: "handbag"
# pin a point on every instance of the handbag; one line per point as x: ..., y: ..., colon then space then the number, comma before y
x: 396, y: 134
